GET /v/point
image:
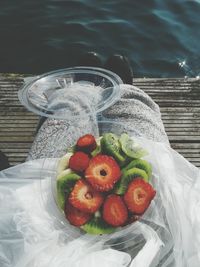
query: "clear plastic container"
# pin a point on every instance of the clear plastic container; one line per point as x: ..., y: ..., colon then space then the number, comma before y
x: 71, y: 94
x: 132, y: 238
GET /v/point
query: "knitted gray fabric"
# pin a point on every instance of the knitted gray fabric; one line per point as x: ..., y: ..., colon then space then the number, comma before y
x: 137, y: 112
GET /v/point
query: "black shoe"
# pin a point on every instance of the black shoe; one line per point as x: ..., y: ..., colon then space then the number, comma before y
x: 121, y: 66
x: 4, y: 163
x: 90, y: 59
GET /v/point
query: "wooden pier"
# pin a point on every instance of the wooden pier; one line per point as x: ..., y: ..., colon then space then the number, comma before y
x: 179, y: 101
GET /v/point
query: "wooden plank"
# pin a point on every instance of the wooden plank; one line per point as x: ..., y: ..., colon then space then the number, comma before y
x: 183, y: 122
x: 10, y: 103
x: 165, y: 80
x: 32, y: 126
x: 15, y: 145
x: 180, y: 134
x: 184, y: 139
x: 16, y: 139
x: 186, y: 146
x: 17, y: 150
x: 191, y: 156
x: 189, y: 151
x: 16, y: 134
x: 13, y: 108
x: 17, y: 113
x: 179, y: 109
x: 15, y: 130
x: 17, y: 160
x: 179, y: 116
x: 16, y: 117
x: 31, y: 121
x: 16, y: 156
x: 182, y: 126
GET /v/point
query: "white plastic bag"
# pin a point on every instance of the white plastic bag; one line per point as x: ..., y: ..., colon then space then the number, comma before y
x: 167, y: 235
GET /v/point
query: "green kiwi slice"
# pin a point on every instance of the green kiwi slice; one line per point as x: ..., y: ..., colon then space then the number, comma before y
x: 111, y: 146
x: 63, y: 163
x: 140, y: 164
x: 97, y: 226
x: 131, y: 148
x: 127, y: 177
x: 96, y: 151
x: 71, y: 149
x: 65, y: 182
x: 98, y: 148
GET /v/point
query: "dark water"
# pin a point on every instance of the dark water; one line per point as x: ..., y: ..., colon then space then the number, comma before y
x: 40, y: 35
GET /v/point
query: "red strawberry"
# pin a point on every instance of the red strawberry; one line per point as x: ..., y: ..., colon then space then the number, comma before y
x: 103, y: 172
x: 75, y: 216
x: 114, y: 211
x: 85, y: 198
x: 79, y: 161
x: 86, y: 143
x: 139, y: 195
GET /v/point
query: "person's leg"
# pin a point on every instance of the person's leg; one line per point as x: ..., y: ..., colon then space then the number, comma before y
x: 90, y: 59
x: 120, y: 65
x: 135, y: 109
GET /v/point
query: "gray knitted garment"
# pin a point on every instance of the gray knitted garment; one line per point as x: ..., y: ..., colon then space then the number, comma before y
x: 136, y: 111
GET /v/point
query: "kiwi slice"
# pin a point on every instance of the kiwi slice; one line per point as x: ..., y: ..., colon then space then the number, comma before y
x: 111, y: 146
x: 140, y: 164
x: 96, y: 151
x: 127, y: 177
x: 131, y: 148
x: 71, y: 149
x: 98, y: 148
x: 65, y: 183
x: 63, y: 162
x: 64, y: 173
x: 97, y: 226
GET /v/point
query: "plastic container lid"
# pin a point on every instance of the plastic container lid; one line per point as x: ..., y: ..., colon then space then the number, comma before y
x: 71, y: 93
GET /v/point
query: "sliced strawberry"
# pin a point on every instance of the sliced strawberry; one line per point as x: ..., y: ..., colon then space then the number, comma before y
x: 85, y: 198
x: 114, y: 211
x: 103, y: 172
x: 75, y: 216
x: 139, y: 195
x: 79, y: 161
x: 86, y: 143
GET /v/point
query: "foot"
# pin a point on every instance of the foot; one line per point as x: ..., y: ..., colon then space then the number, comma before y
x: 121, y: 66
x: 90, y: 59
x: 4, y: 164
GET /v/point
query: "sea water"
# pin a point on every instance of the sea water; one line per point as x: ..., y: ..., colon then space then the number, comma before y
x: 161, y: 38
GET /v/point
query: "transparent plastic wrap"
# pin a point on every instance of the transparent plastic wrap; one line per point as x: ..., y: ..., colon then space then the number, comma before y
x: 167, y: 234
x: 35, y: 232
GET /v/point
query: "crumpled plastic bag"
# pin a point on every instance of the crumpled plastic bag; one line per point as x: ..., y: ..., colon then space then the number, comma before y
x: 168, y: 234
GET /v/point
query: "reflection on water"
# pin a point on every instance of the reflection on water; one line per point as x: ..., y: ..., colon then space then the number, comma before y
x: 38, y: 36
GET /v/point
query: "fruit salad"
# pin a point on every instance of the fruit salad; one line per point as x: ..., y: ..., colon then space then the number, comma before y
x: 103, y: 183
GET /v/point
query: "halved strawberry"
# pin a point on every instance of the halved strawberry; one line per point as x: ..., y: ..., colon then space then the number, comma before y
x: 85, y: 198
x: 139, y: 195
x: 114, y: 211
x: 79, y: 161
x: 75, y: 216
x: 86, y: 143
x: 102, y: 173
